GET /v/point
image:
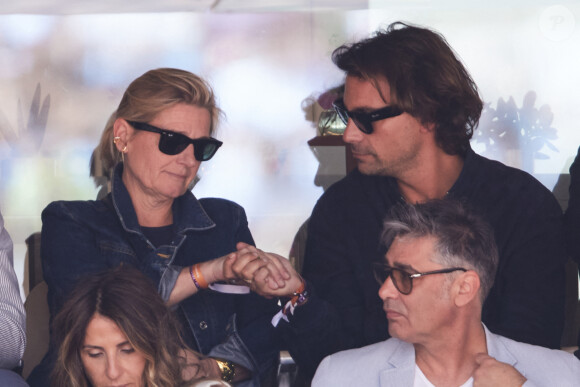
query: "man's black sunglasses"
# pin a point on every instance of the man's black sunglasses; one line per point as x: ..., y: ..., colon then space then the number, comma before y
x: 172, y: 143
x: 364, y: 120
x: 403, y: 280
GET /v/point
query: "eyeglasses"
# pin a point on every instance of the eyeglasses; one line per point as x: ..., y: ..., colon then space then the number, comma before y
x: 403, y: 280
x: 364, y: 120
x: 172, y: 143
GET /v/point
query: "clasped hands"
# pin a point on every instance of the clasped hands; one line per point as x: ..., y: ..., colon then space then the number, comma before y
x: 267, y: 274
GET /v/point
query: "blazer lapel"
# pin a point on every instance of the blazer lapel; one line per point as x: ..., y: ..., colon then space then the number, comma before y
x: 400, y: 369
x: 497, y: 349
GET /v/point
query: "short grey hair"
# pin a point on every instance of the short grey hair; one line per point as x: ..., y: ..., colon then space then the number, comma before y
x: 463, y: 239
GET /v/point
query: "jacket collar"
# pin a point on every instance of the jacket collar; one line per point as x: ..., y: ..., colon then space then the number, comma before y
x: 497, y: 349
x: 188, y: 214
x: 400, y: 366
x: 470, y: 173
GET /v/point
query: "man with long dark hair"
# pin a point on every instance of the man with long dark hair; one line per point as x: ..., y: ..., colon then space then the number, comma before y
x: 410, y: 108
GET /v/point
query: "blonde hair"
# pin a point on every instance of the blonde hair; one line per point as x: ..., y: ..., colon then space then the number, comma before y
x: 147, y: 96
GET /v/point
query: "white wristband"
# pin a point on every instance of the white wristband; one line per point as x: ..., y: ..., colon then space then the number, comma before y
x: 228, y: 288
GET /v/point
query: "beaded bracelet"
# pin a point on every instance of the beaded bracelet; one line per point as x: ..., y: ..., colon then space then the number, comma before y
x: 197, y: 278
x: 299, y: 297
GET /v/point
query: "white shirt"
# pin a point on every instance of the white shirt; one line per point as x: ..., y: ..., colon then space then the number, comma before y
x: 422, y: 381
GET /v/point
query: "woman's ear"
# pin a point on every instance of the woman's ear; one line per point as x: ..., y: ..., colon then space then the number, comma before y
x: 121, y: 131
x: 467, y: 290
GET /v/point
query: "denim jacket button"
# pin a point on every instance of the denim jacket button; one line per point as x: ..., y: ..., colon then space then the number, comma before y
x: 203, y: 325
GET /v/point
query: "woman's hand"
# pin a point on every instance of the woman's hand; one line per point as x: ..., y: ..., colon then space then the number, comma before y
x: 208, y: 272
x: 191, y: 365
x: 195, y: 366
x: 219, y: 269
x: 268, y: 274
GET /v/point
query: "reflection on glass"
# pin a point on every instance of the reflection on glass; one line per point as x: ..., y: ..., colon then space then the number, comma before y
x: 262, y: 67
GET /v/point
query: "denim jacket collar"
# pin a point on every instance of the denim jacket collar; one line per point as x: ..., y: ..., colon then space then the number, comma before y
x: 188, y: 214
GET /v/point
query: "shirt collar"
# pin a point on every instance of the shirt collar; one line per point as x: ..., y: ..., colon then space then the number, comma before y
x: 468, y: 172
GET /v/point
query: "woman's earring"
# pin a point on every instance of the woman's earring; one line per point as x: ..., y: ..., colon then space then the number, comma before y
x: 123, y: 154
x: 123, y: 151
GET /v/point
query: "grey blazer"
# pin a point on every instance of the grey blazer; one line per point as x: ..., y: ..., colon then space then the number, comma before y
x: 391, y: 363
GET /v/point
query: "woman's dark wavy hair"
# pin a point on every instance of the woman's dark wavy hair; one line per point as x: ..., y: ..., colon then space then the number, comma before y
x: 426, y: 78
x: 129, y: 299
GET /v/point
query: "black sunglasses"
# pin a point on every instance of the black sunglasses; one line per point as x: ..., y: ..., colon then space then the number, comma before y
x: 403, y: 280
x: 364, y: 120
x: 172, y: 143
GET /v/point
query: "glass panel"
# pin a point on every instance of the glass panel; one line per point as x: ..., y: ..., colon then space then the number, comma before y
x: 268, y: 68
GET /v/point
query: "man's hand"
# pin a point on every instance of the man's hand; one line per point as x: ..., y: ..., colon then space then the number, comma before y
x: 491, y: 373
x: 268, y: 274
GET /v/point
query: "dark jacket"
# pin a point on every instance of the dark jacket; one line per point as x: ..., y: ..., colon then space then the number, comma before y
x: 84, y: 237
x: 572, y: 217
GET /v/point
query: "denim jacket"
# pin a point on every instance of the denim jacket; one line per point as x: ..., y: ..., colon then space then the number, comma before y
x: 84, y: 237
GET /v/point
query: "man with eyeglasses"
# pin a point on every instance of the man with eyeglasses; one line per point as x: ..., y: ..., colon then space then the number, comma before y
x: 410, y: 108
x: 437, y: 273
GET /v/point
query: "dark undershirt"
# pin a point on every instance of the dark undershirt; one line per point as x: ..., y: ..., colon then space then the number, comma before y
x: 159, y: 236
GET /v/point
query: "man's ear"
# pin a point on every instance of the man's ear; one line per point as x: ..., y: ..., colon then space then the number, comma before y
x: 428, y: 127
x: 467, y: 287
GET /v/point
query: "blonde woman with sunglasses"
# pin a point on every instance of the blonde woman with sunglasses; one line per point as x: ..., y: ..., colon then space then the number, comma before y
x: 155, y: 142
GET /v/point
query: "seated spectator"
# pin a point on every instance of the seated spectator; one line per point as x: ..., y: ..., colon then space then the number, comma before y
x: 12, y: 315
x: 157, y: 139
x: 572, y: 218
x: 572, y: 215
x: 437, y: 272
x: 116, y: 330
x: 410, y: 109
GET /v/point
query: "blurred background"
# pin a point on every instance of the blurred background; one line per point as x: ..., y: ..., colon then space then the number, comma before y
x: 65, y: 63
